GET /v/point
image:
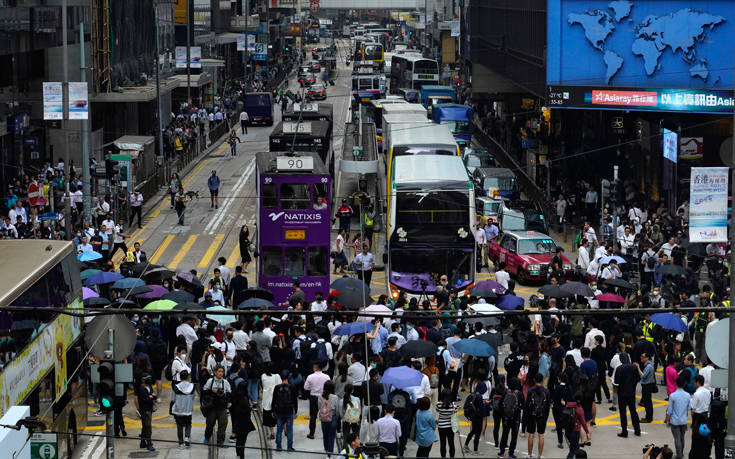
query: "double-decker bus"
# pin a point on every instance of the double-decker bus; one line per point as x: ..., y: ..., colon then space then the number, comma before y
x: 293, y: 223
x: 44, y: 366
x: 431, y: 213
x: 367, y: 85
x: 373, y: 52
x: 412, y: 71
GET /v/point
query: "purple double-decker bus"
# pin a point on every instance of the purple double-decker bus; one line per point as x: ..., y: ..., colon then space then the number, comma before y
x: 293, y: 223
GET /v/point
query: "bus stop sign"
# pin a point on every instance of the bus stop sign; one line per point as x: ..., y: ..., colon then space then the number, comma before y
x: 44, y: 446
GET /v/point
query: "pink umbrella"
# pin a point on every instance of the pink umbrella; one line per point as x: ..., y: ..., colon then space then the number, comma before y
x: 611, y: 298
x: 156, y: 291
x: 89, y: 293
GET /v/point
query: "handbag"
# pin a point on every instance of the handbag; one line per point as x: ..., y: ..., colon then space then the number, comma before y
x: 653, y: 387
x: 455, y: 423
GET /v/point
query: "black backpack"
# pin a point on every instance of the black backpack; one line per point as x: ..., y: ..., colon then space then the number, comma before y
x: 470, y: 406
x: 537, y: 403
x: 651, y: 262
x: 321, y: 353
x: 440, y: 363
x: 254, y: 365
x: 282, y: 401
x: 567, y: 418
x: 510, y: 405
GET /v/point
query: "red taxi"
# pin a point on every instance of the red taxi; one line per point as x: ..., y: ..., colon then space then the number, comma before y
x: 526, y: 254
x: 317, y: 92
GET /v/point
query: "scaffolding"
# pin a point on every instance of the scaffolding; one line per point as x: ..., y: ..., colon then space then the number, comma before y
x: 101, y: 45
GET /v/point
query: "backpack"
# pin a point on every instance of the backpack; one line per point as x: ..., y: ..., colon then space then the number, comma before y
x: 254, y: 365
x: 399, y: 399
x: 537, y: 403
x: 325, y: 411
x: 167, y: 372
x: 567, y: 418
x: 510, y: 405
x: 440, y: 363
x: 352, y: 413
x: 321, y: 353
x: 282, y: 403
x: 470, y: 408
x: 650, y: 262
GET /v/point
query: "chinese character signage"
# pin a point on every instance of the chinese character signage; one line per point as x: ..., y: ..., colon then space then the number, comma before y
x: 78, y: 101
x: 708, y: 204
x: 53, y: 101
x: 646, y: 99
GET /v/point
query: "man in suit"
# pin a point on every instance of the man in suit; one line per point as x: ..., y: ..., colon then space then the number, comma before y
x: 139, y: 255
x: 626, y: 378
x: 238, y: 285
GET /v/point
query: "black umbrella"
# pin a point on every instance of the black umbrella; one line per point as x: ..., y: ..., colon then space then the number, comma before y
x: 123, y: 304
x: 493, y: 339
x: 670, y: 268
x: 351, y: 297
x: 554, y: 291
x: 157, y: 275
x: 257, y: 292
x: 622, y: 283
x: 179, y: 296
x: 97, y: 301
x: 139, y: 290
x: 418, y: 348
x: 578, y: 288
x: 187, y: 306
x: 255, y: 303
x: 346, y: 281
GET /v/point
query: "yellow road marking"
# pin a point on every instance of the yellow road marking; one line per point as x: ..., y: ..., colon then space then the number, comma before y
x: 161, y: 248
x: 234, y: 258
x: 183, y: 251
x: 204, y: 262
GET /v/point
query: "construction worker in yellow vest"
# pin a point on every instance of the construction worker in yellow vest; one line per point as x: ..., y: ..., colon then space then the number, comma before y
x: 368, y: 223
x: 647, y: 328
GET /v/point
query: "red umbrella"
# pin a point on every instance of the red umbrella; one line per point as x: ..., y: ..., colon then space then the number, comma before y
x: 611, y: 298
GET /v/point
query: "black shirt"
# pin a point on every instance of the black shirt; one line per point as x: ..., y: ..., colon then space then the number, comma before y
x: 513, y: 364
x: 238, y: 285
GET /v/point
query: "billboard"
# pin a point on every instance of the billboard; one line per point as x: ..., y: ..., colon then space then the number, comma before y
x: 645, y: 44
x: 671, y: 145
x: 195, y: 57
x: 78, y: 101
x: 708, y: 204
x: 180, y: 11
x: 53, y: 101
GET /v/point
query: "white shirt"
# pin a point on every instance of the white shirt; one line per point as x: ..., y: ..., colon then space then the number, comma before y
x: 590, y: 235
x: 229, y: 351
x: 480, y: 236
x: 666, y: 249
x: 356, y: 374
x: 635, y: 212
x: 400, y: 340
x: 706, y: 373
x: 591, y: 197
x: 583, y: 259
x: 15, y: 211
x: 577, y: 354
x: 86, y: 247
x: 701, y: 399
x: 269, y: 333
x: 318, y: 307
x: 412, y: 335
x: 177, y: 366
x: 217, y: 296
x: 339, y: 244
x: 225, y: 273
x: 599, y: 253
x: 364, y: 261
x: 188, y: 332
x: 626, y: 244
x: 118, y: 239
x: 244, y: 116
x: 589, y: 339
x: 502, y: 278
x: 109, y: 226
x: 241, y: 340
x: 610, y: 273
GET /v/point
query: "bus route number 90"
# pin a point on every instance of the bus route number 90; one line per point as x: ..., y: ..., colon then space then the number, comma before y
x: 291, y: 163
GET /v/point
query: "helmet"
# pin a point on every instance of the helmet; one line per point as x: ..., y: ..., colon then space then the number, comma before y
x: 704, y: 430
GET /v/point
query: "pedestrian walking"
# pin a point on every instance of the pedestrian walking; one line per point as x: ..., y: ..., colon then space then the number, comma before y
x: 536, y: 410
x: 244, y: 121
x: 183, y: 407
x: 626, y: 379
x: 425, y: 427
x: 118, y: 238
x: 180, y: 205
x: 350, y: 411
x: 213, y: 185
x: 572, y: 420
x: 245, y: 247
x: 340, y: 258
x: 474, y: 412
x: 328, y: 415
x: 315, y: 385
x: 511, y: 407
x: 700, y: 404
x: 284, y: 408
x: 388, y: 431
x: 232, y: 142
x: 136, y: 207
x: 215, y: 397
x: 146, y: 397
x: 676, y: 415
x: 446, y: 422
x: 648, y: 386
x: 173, y: 187
x: 364, y: 262
x: 344, y: 215
x: 242, y: 423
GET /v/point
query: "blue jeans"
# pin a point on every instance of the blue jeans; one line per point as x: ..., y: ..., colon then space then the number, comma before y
x: 573, y: 437
x: 329, y: 432
x: 286, y: 419
x: 253, y: 389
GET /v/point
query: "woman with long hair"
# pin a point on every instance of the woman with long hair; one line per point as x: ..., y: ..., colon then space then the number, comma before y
x: 328, y: 415
x: 270, y: 380
x: 446, y: 409
x: 349, y: 412
x: 245, y: 247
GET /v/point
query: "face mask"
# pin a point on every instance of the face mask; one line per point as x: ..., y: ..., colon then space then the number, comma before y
x: 229, y: 336
x: 408, y: 327
x: 183, y: 356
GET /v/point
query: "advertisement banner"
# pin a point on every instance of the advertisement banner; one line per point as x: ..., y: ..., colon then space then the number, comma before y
x: 180, y: 11
x: 641, y: 99
x: 251, y: 43
x: 691, y: 148
x: 241, y: 42
x: 708, y: 204
x: 53, y: 101
x: 78, y: 101
x: 646, y: 43
x: 196, y: 57
x: 455, y: 28
x: 671, y: 145
x: 181, y: 57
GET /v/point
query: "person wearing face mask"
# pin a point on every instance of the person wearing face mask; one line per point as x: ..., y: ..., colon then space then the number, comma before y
x: 216, y: 292
x: 395, y: 328
x: 179, y: 364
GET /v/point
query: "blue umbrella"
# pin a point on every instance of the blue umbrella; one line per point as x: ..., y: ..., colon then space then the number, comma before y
x: 89, y: 256
x: 606, y: 260
x: 128, y: 282
x: 669, y: 321
x: 353, y: 328
x: 474, y: 347
x: 400, y: 377
x: 103, y: 277
x: 509, y: 302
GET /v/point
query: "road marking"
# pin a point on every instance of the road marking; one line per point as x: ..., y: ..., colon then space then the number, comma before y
x: 234, y: 258
x: 194, y: 172
x: 204, y: 262
x: 183, y: 251
x: 215, y: 222
x: 161, y: 248
x: 99, y: 452
x: 92, y: 445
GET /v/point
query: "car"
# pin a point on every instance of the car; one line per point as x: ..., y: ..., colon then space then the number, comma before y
x: 477, y: 157
x: 317, y: 92
x: 306, y: 79
x: 527, y: 255
x: 488, y: 208
x: 315, y: 67
x: 496, y: 182
x: 522, y: 216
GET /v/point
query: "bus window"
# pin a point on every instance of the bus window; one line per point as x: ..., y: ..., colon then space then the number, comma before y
x: 272, y: 261
x: 295, y: 196
x: 294, y: 261
x: 318, y: 261
x: 269, y: 196
x: 373, y: 52
x: 320, y: 189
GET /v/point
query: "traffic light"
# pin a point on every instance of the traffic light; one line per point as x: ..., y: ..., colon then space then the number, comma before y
x: 106, y: 386
x: 109, y: 166
x: 287, y: 48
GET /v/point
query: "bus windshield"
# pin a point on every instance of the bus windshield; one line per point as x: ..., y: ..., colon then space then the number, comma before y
x: 373, y: 52
x: 365, y: 83
x: 426, y: 66
x: 458, y: 127
x: 535, y: 246
x: 433, y: 214
x: 499, y: 183
x: 427, y: 150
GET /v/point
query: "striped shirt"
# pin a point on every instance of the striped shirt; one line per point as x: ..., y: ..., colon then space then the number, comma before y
x: 444, y: 420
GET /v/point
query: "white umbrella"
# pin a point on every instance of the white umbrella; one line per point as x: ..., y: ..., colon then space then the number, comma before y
x: 375, y: 310
x: 485, y: 308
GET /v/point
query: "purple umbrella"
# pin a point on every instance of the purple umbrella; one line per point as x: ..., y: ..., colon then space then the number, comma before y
x: 509, y: 302
x: 89, y: 293
x: 400, y: 377
x: 186, y: 276
x: 156, y: 291
x: 103, y: 277
x: 490, y: 285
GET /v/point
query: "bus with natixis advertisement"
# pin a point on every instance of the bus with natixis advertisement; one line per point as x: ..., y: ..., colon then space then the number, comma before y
x: 41, y: 350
